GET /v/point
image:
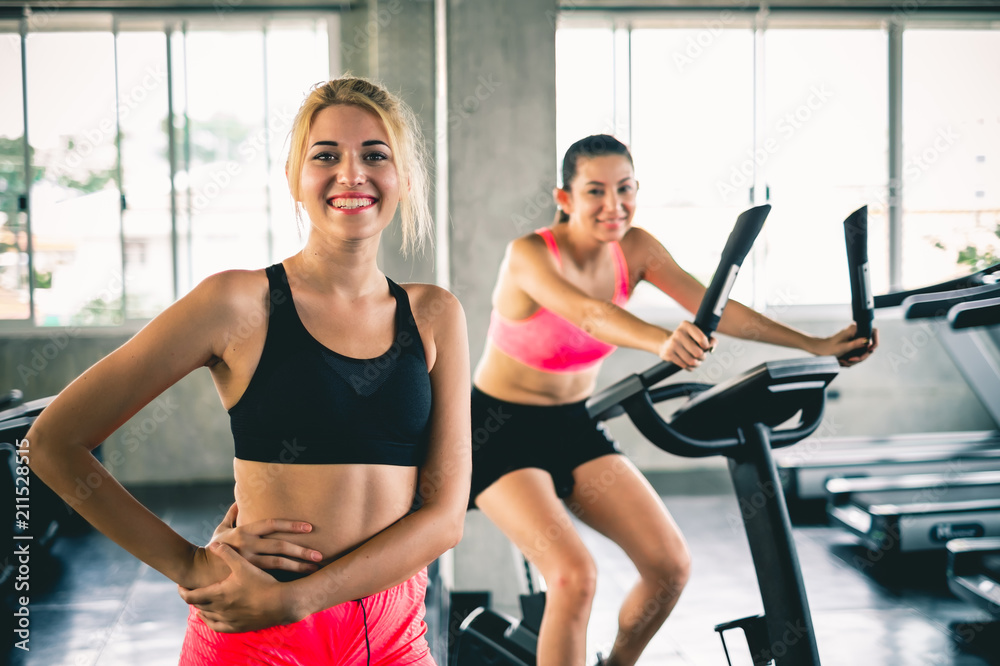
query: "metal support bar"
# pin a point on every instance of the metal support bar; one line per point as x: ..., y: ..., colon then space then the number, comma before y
x: 792, y: 640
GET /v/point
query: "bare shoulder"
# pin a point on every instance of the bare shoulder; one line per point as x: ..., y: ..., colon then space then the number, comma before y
x: 528, y: 252
x: 237, y: 282
x: 233, y: 291
x: 531, y: 242
x: 440, y: 320
x: 637, y: 237
x: 434, y: 308
x: 225, y: 308
x: 644, y: 253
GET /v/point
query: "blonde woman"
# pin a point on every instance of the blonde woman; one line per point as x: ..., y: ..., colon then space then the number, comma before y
x: 349, y: 407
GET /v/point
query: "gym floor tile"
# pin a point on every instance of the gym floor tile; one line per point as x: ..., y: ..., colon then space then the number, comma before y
x: 98, y: 606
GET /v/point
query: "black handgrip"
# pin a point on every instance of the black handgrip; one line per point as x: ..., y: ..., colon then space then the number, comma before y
x: 938, y: 305
x: 741, y: 239
x: 986, y: 276
x: 862, y: 301
x: 979, y: 313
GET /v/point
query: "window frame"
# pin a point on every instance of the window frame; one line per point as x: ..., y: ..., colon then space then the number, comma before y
x: 893, y: 21
x: 135, y: 20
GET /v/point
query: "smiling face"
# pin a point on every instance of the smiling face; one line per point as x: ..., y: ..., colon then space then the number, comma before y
x: 601, y: 197
x: 349, y: 184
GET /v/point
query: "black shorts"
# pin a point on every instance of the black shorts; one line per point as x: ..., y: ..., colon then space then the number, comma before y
x: 507, y: 436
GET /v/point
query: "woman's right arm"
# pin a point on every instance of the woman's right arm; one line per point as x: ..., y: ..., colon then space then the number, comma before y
x: 193, y: 332
x: 532, y: 270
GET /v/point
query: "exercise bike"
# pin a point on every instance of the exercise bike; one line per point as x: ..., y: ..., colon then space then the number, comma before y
x: 775, y: 404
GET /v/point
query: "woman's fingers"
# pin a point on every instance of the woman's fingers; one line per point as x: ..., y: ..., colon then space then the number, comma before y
x: 689, y: 345
x: 272, y: 525
x: 203, y: 596
x: 284, y: 564
x: 696, y: 335
x: 267, y: 546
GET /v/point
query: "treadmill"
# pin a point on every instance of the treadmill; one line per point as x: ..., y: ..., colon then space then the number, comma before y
x: 974, y: 563
x: 804, y: 473
x: 905, y: 513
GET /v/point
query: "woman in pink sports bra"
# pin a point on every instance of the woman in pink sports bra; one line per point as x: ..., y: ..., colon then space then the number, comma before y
x: 557, y: 313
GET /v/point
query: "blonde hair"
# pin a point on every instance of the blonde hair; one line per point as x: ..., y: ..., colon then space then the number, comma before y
x: 405, y: 141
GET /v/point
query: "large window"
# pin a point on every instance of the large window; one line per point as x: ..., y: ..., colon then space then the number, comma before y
x: 951, y: 152
x: 74, y: 196
x: 825, y: 155
x: 690, y: 133
x: 156, y: 158
x: 722, y: 115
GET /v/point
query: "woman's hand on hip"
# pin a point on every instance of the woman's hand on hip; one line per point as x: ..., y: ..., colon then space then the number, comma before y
x: 247, y: 600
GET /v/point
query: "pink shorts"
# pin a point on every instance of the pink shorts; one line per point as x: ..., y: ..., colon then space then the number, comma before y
x: 394, y: 628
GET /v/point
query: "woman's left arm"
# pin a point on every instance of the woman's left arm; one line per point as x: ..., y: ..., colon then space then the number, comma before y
x: 250, y: 599
x: 649, y: 260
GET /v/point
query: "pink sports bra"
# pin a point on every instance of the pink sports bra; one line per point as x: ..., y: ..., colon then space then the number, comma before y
x: 546, y: 341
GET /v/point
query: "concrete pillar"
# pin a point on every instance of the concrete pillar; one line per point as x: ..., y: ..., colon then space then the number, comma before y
x: 502, y: 138
x: 502, y: 146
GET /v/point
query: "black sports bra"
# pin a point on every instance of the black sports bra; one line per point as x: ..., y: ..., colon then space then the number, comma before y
x: 306, y: 404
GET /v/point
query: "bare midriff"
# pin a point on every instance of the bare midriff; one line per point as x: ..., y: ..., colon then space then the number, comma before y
x: 504, y: 378
x: 346, y: 504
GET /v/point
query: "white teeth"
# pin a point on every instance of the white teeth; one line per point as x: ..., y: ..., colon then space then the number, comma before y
x: 350, y: 203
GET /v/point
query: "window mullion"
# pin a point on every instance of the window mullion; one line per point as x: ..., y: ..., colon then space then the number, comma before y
x: 895, y: 156
x: 118, y: 171
x: 172, y: 157
x: 28, y: 172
